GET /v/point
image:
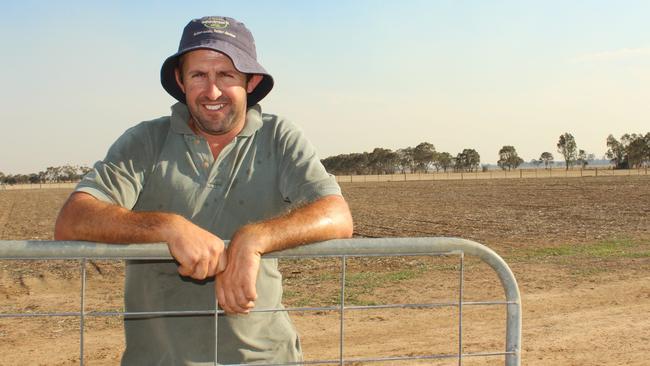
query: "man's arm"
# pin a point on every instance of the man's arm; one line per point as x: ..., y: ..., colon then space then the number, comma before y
x: 326, y: 218
x: 83, y: 217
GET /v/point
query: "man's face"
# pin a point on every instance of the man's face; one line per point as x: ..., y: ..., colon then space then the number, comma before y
x: 215, y: 91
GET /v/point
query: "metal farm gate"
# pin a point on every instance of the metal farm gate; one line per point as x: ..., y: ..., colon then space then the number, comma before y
x: 342, y: 249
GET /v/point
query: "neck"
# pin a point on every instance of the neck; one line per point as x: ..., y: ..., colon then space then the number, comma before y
x: 216, y: 142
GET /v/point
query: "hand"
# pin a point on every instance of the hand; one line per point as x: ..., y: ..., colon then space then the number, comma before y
x: 235, y: 286
x: 199, y: 252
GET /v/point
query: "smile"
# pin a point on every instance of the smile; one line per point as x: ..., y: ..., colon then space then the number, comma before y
x: 215, y: 107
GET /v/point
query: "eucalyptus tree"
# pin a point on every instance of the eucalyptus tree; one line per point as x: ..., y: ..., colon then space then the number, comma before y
x: 547, y: 159
x: 567, y: 146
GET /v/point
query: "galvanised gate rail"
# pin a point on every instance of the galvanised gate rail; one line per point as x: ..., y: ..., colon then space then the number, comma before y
x: 83, y: 251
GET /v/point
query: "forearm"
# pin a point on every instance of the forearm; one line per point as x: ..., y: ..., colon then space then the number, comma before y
x: 197, y: 251
x: 324, y: 219
x: 85, y: 218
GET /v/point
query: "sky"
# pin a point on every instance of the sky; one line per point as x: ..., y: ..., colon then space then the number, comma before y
x: 354, y: 75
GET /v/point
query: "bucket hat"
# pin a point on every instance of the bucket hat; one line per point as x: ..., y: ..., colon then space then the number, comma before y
x: 225, y: 35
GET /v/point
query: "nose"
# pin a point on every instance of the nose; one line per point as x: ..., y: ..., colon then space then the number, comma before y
x: 213, y: 91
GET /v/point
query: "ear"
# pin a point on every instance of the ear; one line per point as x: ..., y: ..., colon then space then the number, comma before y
x: 179, y: 79
x: 253, y: 82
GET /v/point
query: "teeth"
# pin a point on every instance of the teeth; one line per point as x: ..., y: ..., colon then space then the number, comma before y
x: 214, y: 107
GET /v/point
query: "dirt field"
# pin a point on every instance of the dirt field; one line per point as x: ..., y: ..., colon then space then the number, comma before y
x: 579, y: 247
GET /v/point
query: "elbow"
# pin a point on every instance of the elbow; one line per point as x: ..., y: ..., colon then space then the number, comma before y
x: 62, y: 230
x: 64, y: 227
x: 59, y: 234
x: 345, y: 227
x: 347, y: 233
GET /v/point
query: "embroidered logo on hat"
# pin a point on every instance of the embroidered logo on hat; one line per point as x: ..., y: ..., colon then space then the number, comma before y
x: 214, y: 22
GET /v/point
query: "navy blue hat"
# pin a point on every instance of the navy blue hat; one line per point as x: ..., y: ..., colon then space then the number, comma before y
x: 225, y: 35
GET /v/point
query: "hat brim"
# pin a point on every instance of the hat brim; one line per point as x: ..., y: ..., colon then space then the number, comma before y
x: 243, y: 63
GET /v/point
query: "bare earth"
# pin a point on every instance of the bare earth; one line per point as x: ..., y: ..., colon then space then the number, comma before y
x: 579, y: 247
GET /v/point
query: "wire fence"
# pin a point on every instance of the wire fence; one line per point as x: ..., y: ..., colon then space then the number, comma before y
x: 63, y: 185
x: 449, y: 175
x: 494, y: 174
x: 341, y: 249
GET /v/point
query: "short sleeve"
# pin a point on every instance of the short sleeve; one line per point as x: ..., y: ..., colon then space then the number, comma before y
x: 302, y: 176
x: 120, y: 177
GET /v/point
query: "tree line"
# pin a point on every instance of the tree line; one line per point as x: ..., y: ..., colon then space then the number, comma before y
x: 421, y: 158
x: 58, y: 174
x: 631, y: 151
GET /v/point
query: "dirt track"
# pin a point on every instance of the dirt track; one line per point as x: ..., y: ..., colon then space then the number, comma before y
x: 580, y: 249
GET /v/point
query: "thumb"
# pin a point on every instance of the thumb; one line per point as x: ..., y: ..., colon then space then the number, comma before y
x: 223, y: 262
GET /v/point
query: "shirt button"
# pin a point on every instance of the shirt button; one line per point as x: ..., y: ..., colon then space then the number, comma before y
x: 206, y: 164
x: 196, y: 141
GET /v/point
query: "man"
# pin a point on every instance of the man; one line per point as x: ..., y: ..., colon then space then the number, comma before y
x: 216, y: 169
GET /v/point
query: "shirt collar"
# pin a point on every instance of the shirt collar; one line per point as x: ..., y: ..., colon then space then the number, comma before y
x: 181, y: 115
x: 253, y: 121
x: 180, y: 118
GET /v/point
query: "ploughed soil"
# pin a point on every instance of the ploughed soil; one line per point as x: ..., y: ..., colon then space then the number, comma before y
x: 579, y: 247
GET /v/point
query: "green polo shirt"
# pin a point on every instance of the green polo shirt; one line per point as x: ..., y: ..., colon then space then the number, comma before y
x: 161, y: 165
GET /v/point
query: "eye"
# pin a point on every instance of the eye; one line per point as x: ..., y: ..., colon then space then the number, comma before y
x: 197, y: 74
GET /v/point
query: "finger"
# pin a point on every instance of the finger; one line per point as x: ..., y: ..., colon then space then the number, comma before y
x: 225, y: 298
x: 231, y: 301
x: 222, y: 263
x: 230, y: 306
x: 221, y: 297
x: 200, y: 270
x: 243, y: 303
x: 212, y: 269
x: 249, y: 291
x: 185, y: 271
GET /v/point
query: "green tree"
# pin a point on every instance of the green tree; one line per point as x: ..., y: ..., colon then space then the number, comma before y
x: 508, y: 158
x: 616, y: 153
x: 405, y: 160
x: 467, y: 160
x: 423, y: 156
x: 547, y: 158
x: 445, y: 160
x: 636, y: 149
x: 633, y: 150
x: 382, y: 161
x: 568, y: 148
x: 583, y: 158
